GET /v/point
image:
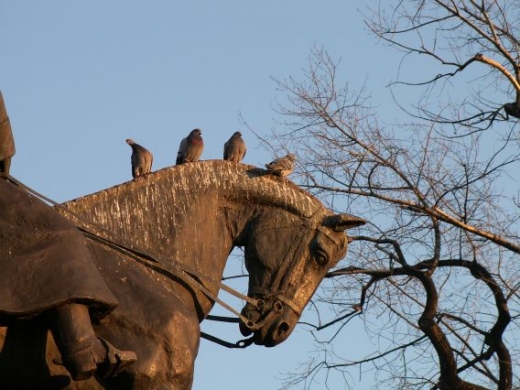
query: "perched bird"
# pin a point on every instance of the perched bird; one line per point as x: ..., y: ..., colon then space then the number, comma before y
x: 142, y: 159
x: 282, y: 166
x: 235, y: 148
x: 190, y: 148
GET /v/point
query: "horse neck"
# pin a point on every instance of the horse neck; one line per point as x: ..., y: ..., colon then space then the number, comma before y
x: 193, y: 213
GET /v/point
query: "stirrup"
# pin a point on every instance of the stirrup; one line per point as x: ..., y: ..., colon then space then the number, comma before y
x: 115, y: 362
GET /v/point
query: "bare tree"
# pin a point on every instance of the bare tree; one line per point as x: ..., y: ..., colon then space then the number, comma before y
x: 434, y: 275
x: 455, y: 36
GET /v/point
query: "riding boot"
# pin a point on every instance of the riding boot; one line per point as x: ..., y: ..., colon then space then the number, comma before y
x: 82, y: 352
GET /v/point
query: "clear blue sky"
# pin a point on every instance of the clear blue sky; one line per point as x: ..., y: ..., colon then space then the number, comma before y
x: 79, y: 77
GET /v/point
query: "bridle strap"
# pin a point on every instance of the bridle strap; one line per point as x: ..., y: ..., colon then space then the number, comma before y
x: 281, y: 280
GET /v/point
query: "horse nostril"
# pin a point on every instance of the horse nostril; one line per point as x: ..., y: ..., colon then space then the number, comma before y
x: 283, y: 328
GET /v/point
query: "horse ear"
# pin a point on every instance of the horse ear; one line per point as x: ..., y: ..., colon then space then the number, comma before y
x: 341, y: 222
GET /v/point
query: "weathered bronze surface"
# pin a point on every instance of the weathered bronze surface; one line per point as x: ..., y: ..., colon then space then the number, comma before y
x: 176, y: 222
x: 37, y: 245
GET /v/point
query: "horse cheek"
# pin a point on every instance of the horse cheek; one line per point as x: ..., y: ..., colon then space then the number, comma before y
x: 307, y: 285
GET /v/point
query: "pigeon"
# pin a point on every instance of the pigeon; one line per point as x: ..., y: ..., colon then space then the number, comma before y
x: 190, y: 148
x: 282, y: 166
x: 235, y: 148
x: 142, y: 159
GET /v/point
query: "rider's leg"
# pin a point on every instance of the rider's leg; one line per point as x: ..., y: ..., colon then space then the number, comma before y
x: 83, y: 353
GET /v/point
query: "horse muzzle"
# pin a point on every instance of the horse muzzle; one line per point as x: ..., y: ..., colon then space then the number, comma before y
x: 270, y: 322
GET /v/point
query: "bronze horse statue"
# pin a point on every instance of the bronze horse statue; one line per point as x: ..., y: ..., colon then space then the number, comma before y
x: 161, y: 242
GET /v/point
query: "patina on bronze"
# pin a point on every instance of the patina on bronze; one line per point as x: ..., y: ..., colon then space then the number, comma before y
x: 190, y: 217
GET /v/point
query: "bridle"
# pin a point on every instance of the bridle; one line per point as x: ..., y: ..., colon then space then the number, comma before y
x: 275, y: 301
x: 266, y: 303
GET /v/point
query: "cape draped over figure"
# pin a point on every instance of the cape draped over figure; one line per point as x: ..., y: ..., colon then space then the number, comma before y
x: 44, y: 261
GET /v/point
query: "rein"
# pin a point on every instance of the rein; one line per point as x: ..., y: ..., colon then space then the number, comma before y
x: 182, y: 272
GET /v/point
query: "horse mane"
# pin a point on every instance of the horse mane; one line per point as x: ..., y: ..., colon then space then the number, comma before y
x: 150, y: 208
x: 234, y: 182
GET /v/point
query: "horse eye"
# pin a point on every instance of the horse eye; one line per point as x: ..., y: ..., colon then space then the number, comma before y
x: 320, y: 258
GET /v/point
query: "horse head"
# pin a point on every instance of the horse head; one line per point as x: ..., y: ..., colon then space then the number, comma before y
x: 287, y: 256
